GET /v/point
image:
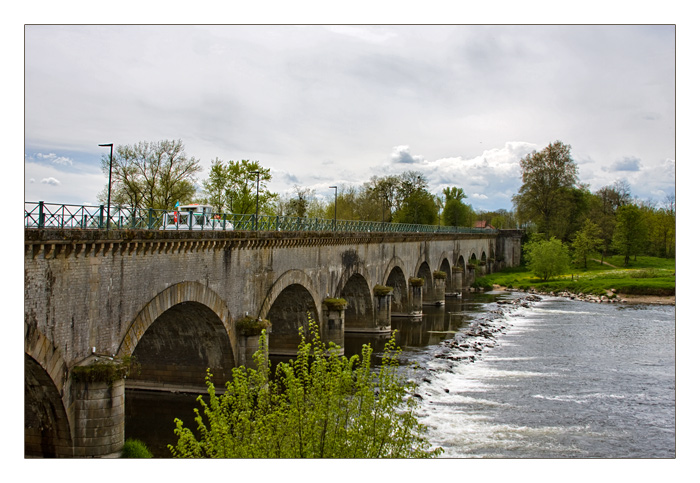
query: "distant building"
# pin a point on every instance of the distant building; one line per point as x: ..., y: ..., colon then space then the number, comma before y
x: 483, y: 224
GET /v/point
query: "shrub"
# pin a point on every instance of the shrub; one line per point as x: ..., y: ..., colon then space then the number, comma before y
x: 382, y: 290
x: 105, y: 370
x: 482, y: 282
x: 439, y: 275
x: 335, y: 304
x: 546, y: 258
x: 252, y: 326
x: 133, y: 448
x: 320, y: 405
x: 416, y: 282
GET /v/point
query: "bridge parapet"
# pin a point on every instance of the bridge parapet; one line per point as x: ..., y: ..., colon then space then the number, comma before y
x: 56, y: 242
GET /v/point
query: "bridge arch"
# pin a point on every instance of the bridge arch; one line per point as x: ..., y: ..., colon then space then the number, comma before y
x: 445, y: 267
x: 355, y: 288
x: 287, y: 305
x: 47, y: 430
x: 396, y: 276
x: 183, y: 292
x: 395, y: 262
x: 183, y: 331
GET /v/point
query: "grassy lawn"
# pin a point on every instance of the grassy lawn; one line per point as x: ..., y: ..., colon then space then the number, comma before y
x: 644, y: 276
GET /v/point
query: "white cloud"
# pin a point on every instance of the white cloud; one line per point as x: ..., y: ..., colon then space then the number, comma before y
x: 55, y: 159
x: 52, y: 181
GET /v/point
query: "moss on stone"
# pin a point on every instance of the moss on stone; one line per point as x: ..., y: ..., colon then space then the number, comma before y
x: 252, y: 326
x: 382, y: 290
x: 335, y: 304
x: 416, y: 281
x: 104, y: 370
x: 439, y: 274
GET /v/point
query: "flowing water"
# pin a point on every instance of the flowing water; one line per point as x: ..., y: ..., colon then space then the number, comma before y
x: 548, y: 378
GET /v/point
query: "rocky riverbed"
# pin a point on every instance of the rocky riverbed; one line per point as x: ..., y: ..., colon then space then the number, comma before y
x: 611, y: 297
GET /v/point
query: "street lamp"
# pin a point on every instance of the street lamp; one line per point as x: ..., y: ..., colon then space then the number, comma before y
x: 109, y: 185
x: 257, y: 199
x: 335, y: 215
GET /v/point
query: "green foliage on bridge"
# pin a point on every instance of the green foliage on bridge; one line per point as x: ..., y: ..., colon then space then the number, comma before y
x: 320, y: 405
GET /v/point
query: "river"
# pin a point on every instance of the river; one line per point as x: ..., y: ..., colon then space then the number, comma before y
x: 556, y: 378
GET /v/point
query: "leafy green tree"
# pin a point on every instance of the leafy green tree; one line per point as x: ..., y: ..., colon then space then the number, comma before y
x: 546, y: 176
x: 320, y: 405
x: 415, y: 204
x: 546, y: 258
x: 233, y: 187
x: 151, y: 174
x: 630, y: 232
x: 456, y: 212
x: 418, y: 208
x: 602, y: 208
x: 587, y: 240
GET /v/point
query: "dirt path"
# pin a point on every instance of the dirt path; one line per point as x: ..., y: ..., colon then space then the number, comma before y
x: 604, y: 263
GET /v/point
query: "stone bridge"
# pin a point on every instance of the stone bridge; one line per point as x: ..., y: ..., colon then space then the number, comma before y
x: 181, y: 302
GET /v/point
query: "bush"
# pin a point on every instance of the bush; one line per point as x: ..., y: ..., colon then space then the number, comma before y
x: 546, y: 258
x: 482, y: 282
x: 133, y: 448
x: 320, y: 405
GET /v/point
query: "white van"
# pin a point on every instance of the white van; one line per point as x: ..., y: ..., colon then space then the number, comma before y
x: 191, y: 217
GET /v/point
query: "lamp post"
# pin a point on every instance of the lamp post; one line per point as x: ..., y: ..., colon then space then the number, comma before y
x: 335, y: 214
x: 257, y: 199
x: 109, y: 185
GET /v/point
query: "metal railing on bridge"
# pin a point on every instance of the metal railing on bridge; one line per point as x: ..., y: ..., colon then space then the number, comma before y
x: 52, y: 215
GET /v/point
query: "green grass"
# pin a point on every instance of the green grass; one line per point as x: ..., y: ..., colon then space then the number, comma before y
x: 645, y: 276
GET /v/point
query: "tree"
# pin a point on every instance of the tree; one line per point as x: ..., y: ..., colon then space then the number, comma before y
x: 418, y: 208
x: 416, y: 204
x: 614, y: 196
x: 587, y: 240
x: 300, y: 202
x: 233, y: 187
x: 630, y: 232
x: 456, y: 213
x: 546, y: 175
x: 321, y: 405
x: 546, y: 258
x: 152, y: 174
x: 386, y: 193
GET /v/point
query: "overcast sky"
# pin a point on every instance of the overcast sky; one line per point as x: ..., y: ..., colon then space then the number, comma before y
x: 332, y: 105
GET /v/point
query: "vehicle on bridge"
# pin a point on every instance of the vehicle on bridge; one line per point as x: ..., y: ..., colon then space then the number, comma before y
x: 194, y: 216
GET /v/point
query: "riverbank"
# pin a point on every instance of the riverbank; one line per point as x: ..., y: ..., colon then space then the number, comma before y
x: 610, y: 297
